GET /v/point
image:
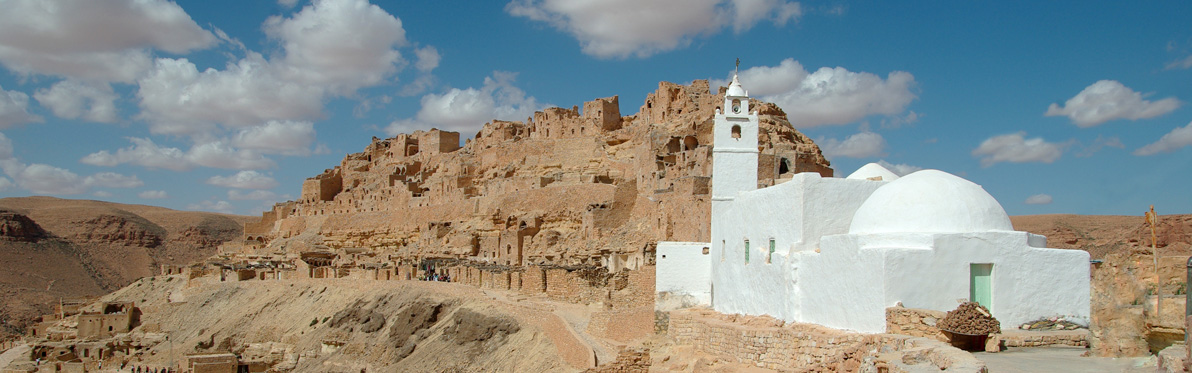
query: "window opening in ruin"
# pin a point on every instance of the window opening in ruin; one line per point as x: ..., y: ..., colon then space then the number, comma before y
x: 784, y: 166
x: 771, y: 253
x: 746, y: 251
x: 736, y: 132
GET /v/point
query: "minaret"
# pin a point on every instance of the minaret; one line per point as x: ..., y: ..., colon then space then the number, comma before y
x: 734, y: 150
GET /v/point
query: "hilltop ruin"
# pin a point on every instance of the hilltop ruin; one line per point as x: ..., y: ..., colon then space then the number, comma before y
x: 565, y: 187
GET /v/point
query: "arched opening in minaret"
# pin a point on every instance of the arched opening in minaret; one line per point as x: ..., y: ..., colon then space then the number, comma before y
x: 736, y: 132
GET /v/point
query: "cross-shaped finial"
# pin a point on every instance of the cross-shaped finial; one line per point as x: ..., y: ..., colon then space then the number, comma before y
x: 738, y: 67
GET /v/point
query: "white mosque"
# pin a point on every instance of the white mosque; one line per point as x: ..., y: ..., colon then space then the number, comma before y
x: 839, y: 251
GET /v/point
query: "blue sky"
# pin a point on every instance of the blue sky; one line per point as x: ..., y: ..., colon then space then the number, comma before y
x: 1054, y: 107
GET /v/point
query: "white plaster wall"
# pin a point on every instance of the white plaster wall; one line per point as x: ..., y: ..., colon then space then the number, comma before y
x: 842, y: 286
x: 794, y: 214
x: 734, y: 160
x: 684, y: 270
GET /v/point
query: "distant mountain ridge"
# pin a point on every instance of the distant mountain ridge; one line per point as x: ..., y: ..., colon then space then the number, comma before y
x: 52, y: 248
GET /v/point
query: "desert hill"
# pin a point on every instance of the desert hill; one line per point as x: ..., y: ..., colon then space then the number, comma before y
x: 1105, y: 234
x: 53, y: 248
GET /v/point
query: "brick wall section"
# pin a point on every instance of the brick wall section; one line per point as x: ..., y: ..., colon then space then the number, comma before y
x: 915, y: 322
x: 771, y: 344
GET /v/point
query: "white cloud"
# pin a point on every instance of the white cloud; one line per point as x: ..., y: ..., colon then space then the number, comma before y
x: 14, y: 109
x: 5, y: 184
x: 860, y: 145
x: 144, y: 152
x: 1017, y: 149
x: 213, y: 206
x: 112, y: 180
x: 256, y: 195
x: 278, y: 137
x: 72, y: 99
x: 829, y: 95
x: 288, y: 3
x: 1099, y: 143
x: 45, y: 179
x: 1038, y: 199
x: 177, y: 99
x: 1183, y: 63
x: 466, y: 110
x: 106, y: 40
x: 153, y: 194
x: 1108, y: 100
x: 244, y: 180
x: 102, y: 194
x: 428, y: 58
x: 1177, y: 138
x: 623, y: 28
x: 339, y: 44
x: 900, y: 169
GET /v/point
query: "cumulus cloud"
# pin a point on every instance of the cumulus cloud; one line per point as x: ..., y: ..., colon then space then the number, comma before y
x: 829, y: 95
x: 900, y: 169
x: 223, y: 207
x: 623, y: 28
x: 153, y: 194
x: 5, y: 184
x: 1038, y: 199
x: 1099, y: 143
x: 466, y: 110
x: 144, y: 152
x: 341, y: 45
x: 72, y: 99
x: 105, y: 40
x: 112, y: 180
x: 1108, y: 100
x: 278, y: 137
x: 244, y: 180
x: 177, y: 99
x: 860, y: 145
x: 256, y: 195
x: 1016, y: 148
x: 428, y: 58
x: 14, y: 109
x: 1177, y: 138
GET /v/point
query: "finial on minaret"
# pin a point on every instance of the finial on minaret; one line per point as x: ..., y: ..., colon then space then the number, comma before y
x: 738, y: 67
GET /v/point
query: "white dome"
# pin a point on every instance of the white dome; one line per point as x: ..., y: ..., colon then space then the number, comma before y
x: 735, y: 90
x: 930, y: 201
x: 873, y: 170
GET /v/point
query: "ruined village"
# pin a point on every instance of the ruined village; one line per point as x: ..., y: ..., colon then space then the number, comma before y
x: 701, y: 233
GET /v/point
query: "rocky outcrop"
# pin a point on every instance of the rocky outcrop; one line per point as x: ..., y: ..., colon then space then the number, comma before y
x: 120, y: 230
x: 15, y: 226
x: 564, y: 187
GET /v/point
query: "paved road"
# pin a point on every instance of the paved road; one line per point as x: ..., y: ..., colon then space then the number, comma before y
x: 1059, y: 359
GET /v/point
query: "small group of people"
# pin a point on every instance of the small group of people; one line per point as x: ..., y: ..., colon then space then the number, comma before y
x: 432, y: 276
x: 140, y: 369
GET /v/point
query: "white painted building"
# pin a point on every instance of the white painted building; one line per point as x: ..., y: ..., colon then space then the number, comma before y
x: 839, y: 251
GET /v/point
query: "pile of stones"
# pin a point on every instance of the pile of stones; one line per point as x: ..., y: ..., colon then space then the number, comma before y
x: 1053, y: 323
x: 970, y: 318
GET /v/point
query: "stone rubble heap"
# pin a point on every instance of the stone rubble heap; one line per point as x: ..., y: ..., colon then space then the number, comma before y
x: 970, y: 318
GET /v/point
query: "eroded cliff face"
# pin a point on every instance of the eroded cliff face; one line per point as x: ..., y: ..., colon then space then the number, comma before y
x: 565, y: 187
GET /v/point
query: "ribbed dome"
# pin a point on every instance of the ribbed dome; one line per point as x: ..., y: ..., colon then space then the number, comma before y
x: 873, y: 170
x: 930, y: 201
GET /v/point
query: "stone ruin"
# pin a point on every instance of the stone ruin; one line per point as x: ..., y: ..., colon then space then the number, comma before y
x: 564, y: 187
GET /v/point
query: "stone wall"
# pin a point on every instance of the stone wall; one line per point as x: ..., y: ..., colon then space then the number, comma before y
x: 915, y: 322
x: 769, y: 343
x: 1070, y: 338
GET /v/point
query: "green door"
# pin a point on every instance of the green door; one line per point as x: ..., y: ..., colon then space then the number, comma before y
x: 980, y: 283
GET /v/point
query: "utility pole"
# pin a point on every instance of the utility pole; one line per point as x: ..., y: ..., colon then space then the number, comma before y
x: 1153, y: 219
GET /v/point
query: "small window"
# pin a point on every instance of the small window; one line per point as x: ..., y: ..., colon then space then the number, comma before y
x: 736, y: 132
x: 722, y: 250
x: 746, y: 251
x: 705, y: 251
x: 771, y: 253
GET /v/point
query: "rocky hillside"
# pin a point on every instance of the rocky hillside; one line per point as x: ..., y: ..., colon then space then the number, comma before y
x: 1101, y: 235
x: 52, y: 248
x: 349, y: 326
x: 564, y: 187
